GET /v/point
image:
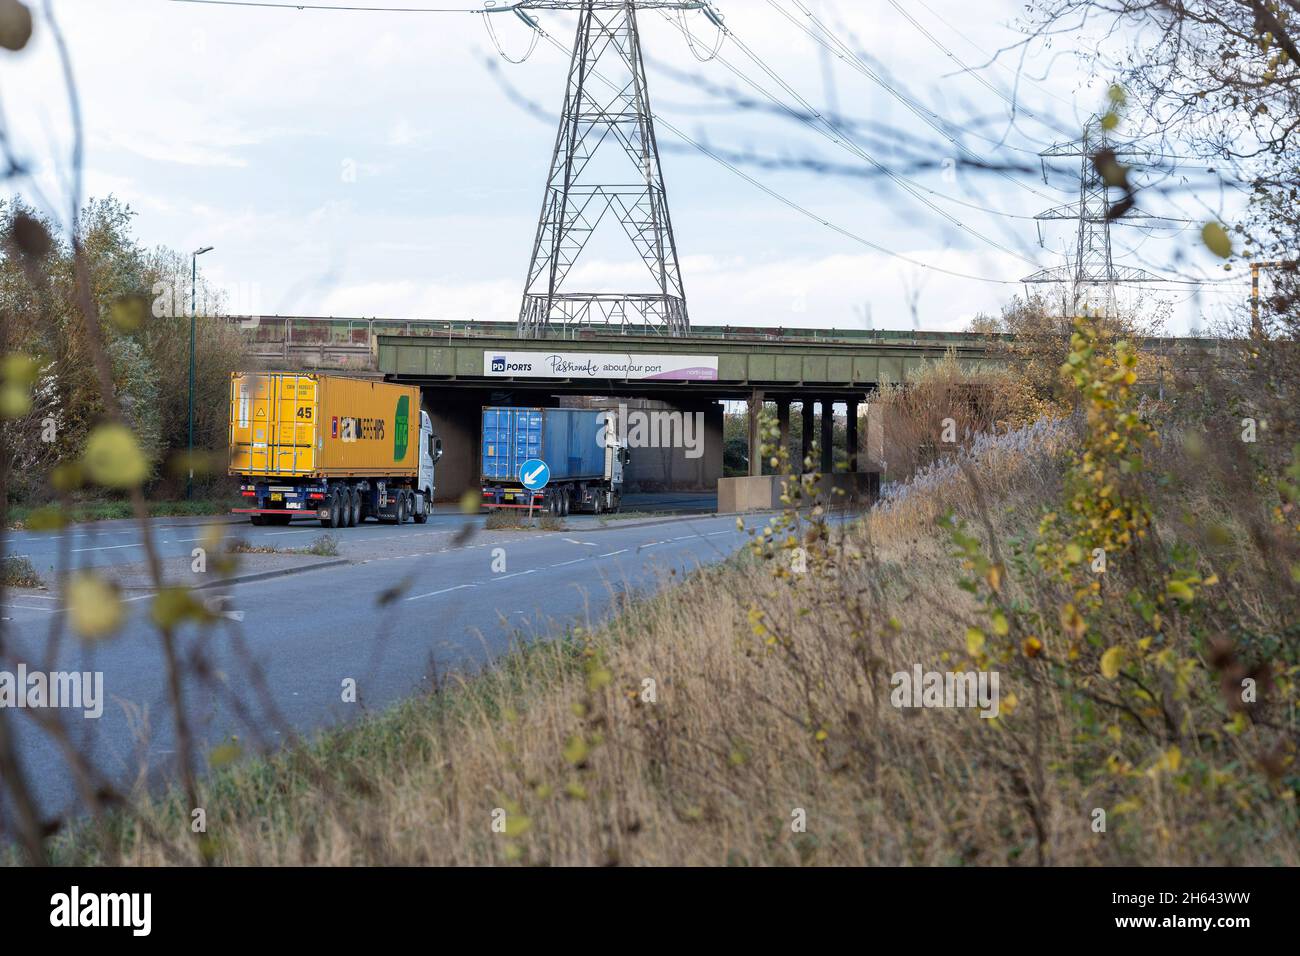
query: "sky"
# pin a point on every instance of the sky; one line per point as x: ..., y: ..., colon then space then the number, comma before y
x: 376, y: 164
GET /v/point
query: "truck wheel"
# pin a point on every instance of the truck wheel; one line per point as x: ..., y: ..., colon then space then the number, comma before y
x: 353, y: 507
x: 401, y: 508
x: 422, y: 513
x: 258, y: 520
x: 566, y: 503
x: 334, y: 519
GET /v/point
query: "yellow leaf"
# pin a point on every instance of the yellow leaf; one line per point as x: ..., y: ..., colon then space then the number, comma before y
x: 517, y: 824
x: 1216, y: 239
x: 994, y: 577
x: 15, y: 400
x: 223, y: 754
x: 93, y: 606
x: 974, y: 641
x: 1111, y: 662
x: 113, y: 457
x: 1171, y: 760
x: 174, y: 604
x: 576, y: 750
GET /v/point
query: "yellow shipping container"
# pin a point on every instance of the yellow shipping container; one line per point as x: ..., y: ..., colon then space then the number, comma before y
x: 291, y: 424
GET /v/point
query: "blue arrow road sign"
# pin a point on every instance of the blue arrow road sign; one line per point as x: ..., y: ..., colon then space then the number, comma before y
x: 534, y: 474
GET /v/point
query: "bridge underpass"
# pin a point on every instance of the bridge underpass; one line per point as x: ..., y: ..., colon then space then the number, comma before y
x: 460, y: 374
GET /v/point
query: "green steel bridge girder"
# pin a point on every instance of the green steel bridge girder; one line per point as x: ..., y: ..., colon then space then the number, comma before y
x: 820, y: 368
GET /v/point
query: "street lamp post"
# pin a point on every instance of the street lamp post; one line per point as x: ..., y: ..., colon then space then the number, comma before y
x: 194, y: 276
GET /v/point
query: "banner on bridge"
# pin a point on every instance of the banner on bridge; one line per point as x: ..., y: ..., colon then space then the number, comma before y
x: 600, y: 365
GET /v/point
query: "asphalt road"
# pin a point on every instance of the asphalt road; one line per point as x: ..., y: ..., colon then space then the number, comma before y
x: 456, y: 603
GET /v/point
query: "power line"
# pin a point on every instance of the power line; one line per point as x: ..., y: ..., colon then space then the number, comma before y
x: 993, y: 59
x: 956, y: 59
x: 705, y: 150
x: 852, y: 59
x: 790, y: 203
x: 837, y: 136
x: 928, y: 116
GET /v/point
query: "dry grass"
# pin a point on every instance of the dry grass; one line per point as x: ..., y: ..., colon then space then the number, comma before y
x: 771, y: 703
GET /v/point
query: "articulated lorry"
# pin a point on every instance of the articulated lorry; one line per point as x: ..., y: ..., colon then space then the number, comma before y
x: 578, y: 445
x: 330, y: 447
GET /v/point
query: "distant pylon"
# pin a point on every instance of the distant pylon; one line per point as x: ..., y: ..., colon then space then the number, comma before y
x: 606, y: 160
x: 1093, y: 269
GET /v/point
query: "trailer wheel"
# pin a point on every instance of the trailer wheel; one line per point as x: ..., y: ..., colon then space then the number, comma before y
x: 334, y: 518
x: 566, y: 502
x: 353, y: 507
x: 258, y: 520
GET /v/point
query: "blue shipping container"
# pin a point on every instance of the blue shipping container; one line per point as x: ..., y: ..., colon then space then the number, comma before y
x: 567, y: 439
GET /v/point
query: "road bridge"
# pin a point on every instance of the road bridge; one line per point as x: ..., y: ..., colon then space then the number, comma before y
x: 815, y: 369
x: 461, y: 373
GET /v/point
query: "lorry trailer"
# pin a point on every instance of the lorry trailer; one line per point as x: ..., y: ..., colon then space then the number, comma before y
x: 330, y: 447
x: 578, y: 445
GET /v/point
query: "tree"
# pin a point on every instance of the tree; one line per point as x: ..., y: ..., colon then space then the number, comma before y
x: 147, y: 353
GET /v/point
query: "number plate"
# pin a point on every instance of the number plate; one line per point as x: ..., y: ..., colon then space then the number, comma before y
x: 277, y: 496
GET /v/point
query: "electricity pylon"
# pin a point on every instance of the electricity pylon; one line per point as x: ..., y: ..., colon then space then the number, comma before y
x: 606, y: 160
x: 1094, y: 266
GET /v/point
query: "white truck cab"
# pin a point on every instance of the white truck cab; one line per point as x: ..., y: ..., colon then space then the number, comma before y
x: 430, y: 452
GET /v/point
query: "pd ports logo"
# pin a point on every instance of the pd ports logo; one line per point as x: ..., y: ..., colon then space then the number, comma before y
x: 502, y: 365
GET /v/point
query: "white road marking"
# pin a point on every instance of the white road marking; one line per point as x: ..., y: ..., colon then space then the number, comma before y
x: 565, y: 564
x: 515, y: 574
x: 108, y: 547
x: 585, y: 544
x: 458, y: 587
x: 612, y: 553
x: 32, y: 607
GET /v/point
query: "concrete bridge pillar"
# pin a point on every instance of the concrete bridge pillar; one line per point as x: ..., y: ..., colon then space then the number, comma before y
x: 805, y: 451
x: 828, y: 436
x: 755, y: 435
x: 851, y: 423
x: 783, y: 425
